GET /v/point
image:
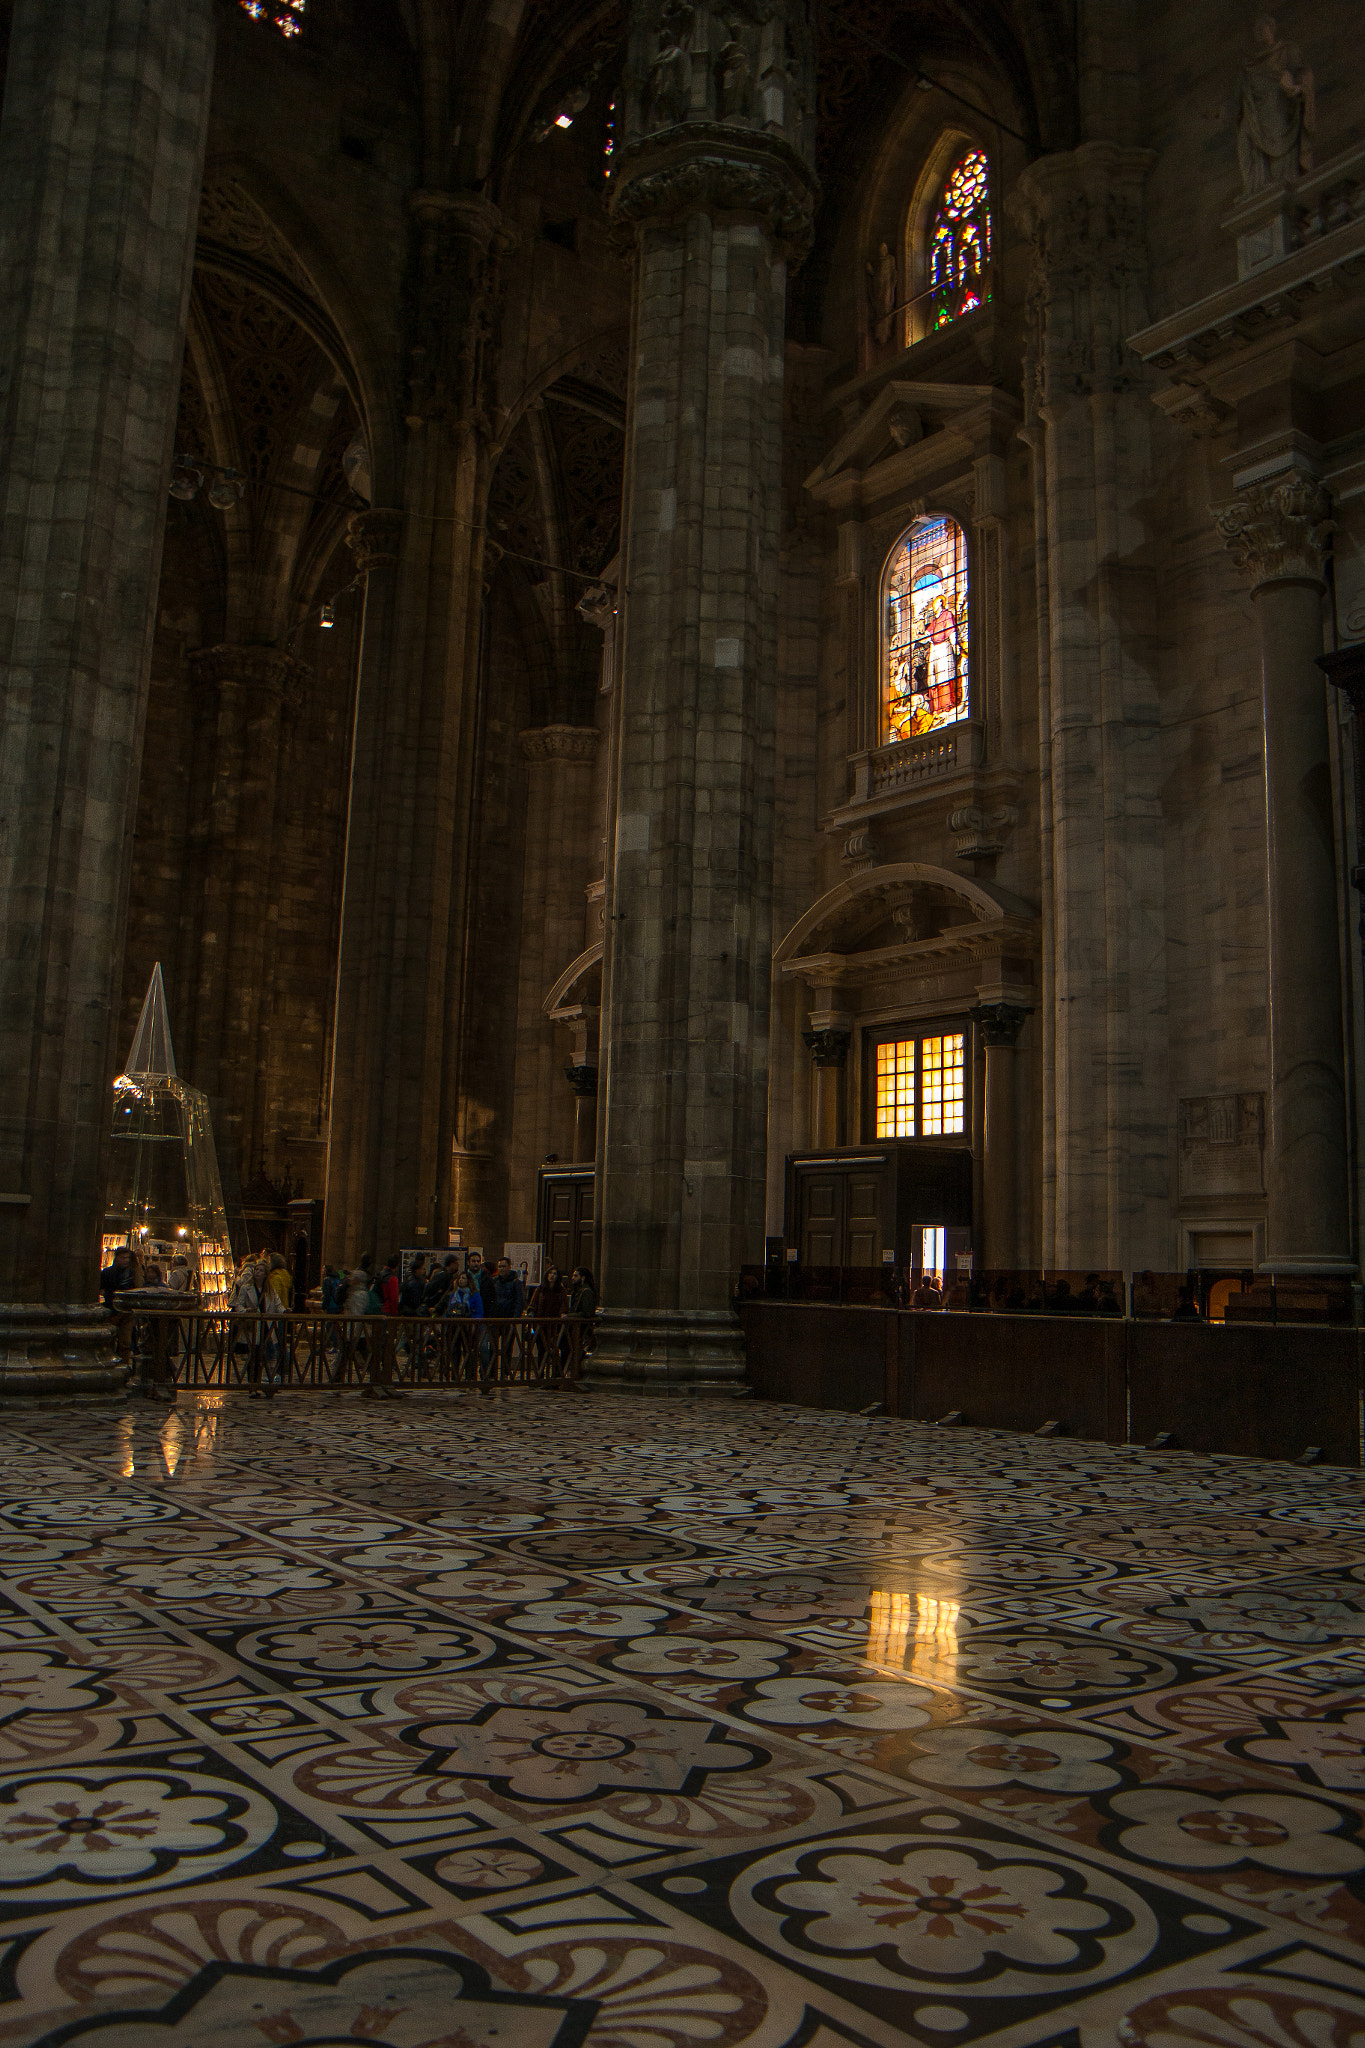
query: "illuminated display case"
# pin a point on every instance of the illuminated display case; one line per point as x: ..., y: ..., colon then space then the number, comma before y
x: 164, y: 1194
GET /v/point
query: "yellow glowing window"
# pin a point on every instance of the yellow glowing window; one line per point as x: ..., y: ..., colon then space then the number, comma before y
x: 941, y: 1086
x: 921, y: 1087
x: 896, y: 1089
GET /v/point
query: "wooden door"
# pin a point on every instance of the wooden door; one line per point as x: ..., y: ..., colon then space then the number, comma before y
x: 822, y: 1217
x: 583, y: 1222
x: 863, y: 1232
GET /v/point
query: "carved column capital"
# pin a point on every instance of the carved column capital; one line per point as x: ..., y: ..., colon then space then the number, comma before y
x: 773, y: 187
x: 597, y: 606
x: 1082, y: 211
x: 467, y: 214
x: 267, y: 669
x: 582, y: 1078
x: 1345, y: 670
x: 998, y: 1023
x: 373, y: 537
x: 1279, y: 531
x: 827, y: 1048
x: 560, y: 743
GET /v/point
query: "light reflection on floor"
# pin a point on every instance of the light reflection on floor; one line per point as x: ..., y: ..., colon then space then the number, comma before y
x: 546, y: 1719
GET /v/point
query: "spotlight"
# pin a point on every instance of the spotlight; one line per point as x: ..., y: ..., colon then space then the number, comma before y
x: 185, y: 483
x: 563, y: 120
x: 327, y: 618
x: 225, y: 490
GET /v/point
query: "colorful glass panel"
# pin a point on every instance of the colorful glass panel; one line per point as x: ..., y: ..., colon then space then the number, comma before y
x: 942, y: 1086
x: 284, y: 15
x: 960, y: 242
x: 926, y: 630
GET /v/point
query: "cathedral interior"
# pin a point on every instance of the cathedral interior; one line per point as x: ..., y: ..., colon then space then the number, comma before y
x: 721, y: 642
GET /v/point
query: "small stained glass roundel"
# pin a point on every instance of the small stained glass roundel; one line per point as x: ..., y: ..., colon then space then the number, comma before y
x: 285, y: 16
x: 960, y: 241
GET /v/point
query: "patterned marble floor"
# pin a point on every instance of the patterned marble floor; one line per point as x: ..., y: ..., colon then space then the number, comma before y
x: 542, y: 1720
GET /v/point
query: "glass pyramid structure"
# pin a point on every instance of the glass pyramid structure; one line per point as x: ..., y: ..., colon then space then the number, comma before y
x: 164, y: 1194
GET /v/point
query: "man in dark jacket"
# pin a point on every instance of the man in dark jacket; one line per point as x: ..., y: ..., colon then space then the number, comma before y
x: 117, y: 1275
x: 509, y: 1296
x: 411, y: 1292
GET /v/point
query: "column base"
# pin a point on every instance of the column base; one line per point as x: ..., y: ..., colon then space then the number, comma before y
x: 58, y: 1350
x: 667, y: 1352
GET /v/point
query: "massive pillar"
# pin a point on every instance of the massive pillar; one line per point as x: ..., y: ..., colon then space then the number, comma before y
x: 714, y: 185
x: 101, y: 152
x: 1278, y: 533
x: 244, y: 691
x: 1106, y: 1194
x: 400, y: 974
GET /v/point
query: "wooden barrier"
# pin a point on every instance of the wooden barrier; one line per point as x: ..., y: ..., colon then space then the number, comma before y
x: 1263, y: 1391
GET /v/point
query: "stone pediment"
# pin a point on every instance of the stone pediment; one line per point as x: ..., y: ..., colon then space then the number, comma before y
x: 900, y: 416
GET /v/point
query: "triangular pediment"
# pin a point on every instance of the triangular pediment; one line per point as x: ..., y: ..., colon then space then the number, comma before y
x: 902, y: 414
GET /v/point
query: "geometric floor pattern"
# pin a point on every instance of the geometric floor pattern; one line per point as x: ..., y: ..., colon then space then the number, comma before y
x: 541, y: 1719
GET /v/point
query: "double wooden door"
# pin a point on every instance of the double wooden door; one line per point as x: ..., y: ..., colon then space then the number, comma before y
x: 842, y: 1213
x: 566, y: 1218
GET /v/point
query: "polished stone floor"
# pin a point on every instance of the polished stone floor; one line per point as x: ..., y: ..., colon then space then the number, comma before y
x: 546, y: 1719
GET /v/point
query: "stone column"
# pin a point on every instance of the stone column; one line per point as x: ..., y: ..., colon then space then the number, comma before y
x: 1106, y: 1187
x: 582, y: 1078
x: 1278, y: 534
x: 101, y: 154
x: 243, y: 693
x: 714, y: 188
x: 828, y: 1047
x: 402, y: 994
x: 1000, y: 1025
x: 556, y: 868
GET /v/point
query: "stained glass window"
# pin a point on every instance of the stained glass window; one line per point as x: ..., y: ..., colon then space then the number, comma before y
x: 921, y: 1087
x: 960, y: 242
x: 925, y: 629
x: 284, y: 15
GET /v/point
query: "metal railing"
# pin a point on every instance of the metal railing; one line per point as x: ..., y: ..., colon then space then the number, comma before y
x: 229, y: 1349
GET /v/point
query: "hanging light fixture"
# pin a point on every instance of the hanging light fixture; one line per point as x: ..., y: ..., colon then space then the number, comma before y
x: 185, y: 481
x: 327, y: 618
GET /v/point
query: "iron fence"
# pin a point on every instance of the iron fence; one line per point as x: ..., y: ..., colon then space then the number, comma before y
x: 227, y: 1348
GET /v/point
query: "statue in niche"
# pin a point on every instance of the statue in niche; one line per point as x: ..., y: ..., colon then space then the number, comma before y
x: 881, y: 292
x: 668, y: 87
x: 736, y: 80
x: 1278, y: 114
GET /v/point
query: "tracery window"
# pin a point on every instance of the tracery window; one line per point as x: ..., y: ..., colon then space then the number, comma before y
x: 925, y: 629
x: 960, y: 241
x: 921, y: 1086
x: 284, y: 15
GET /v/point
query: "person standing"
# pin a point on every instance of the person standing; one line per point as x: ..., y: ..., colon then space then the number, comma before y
x: 548, y: 1304
x: 277, y: 1299
x: 413, y: 1288
x: 577, y: 1339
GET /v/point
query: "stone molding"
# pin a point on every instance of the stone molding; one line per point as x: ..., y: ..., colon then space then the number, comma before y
x: 263, y: 668
x: 998, y: 1023
x: 828, y: 1048
x: 373, y: 537
x: 560, y: 743
x: 58, y: 1349
x: 1279, y: 531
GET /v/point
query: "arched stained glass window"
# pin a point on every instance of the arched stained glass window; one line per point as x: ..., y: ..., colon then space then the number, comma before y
x: 284, y: 15
x: 960, y: 241
x: 925, y: 629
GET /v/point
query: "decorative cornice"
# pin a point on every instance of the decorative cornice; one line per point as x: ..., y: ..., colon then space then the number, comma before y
x: 560, y: 743
x: 998, y: 1023
x: 373, y: 537
x: 1279, y: 531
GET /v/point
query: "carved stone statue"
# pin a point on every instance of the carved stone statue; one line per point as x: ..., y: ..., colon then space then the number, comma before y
x: 668, y: 89
x: 736, y: 81
x: 1278, y: 113
x: 881, y: 292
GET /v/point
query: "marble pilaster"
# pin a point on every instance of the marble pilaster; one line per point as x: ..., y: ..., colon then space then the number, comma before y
x: 101, y: 156
x: 1278, y: 533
